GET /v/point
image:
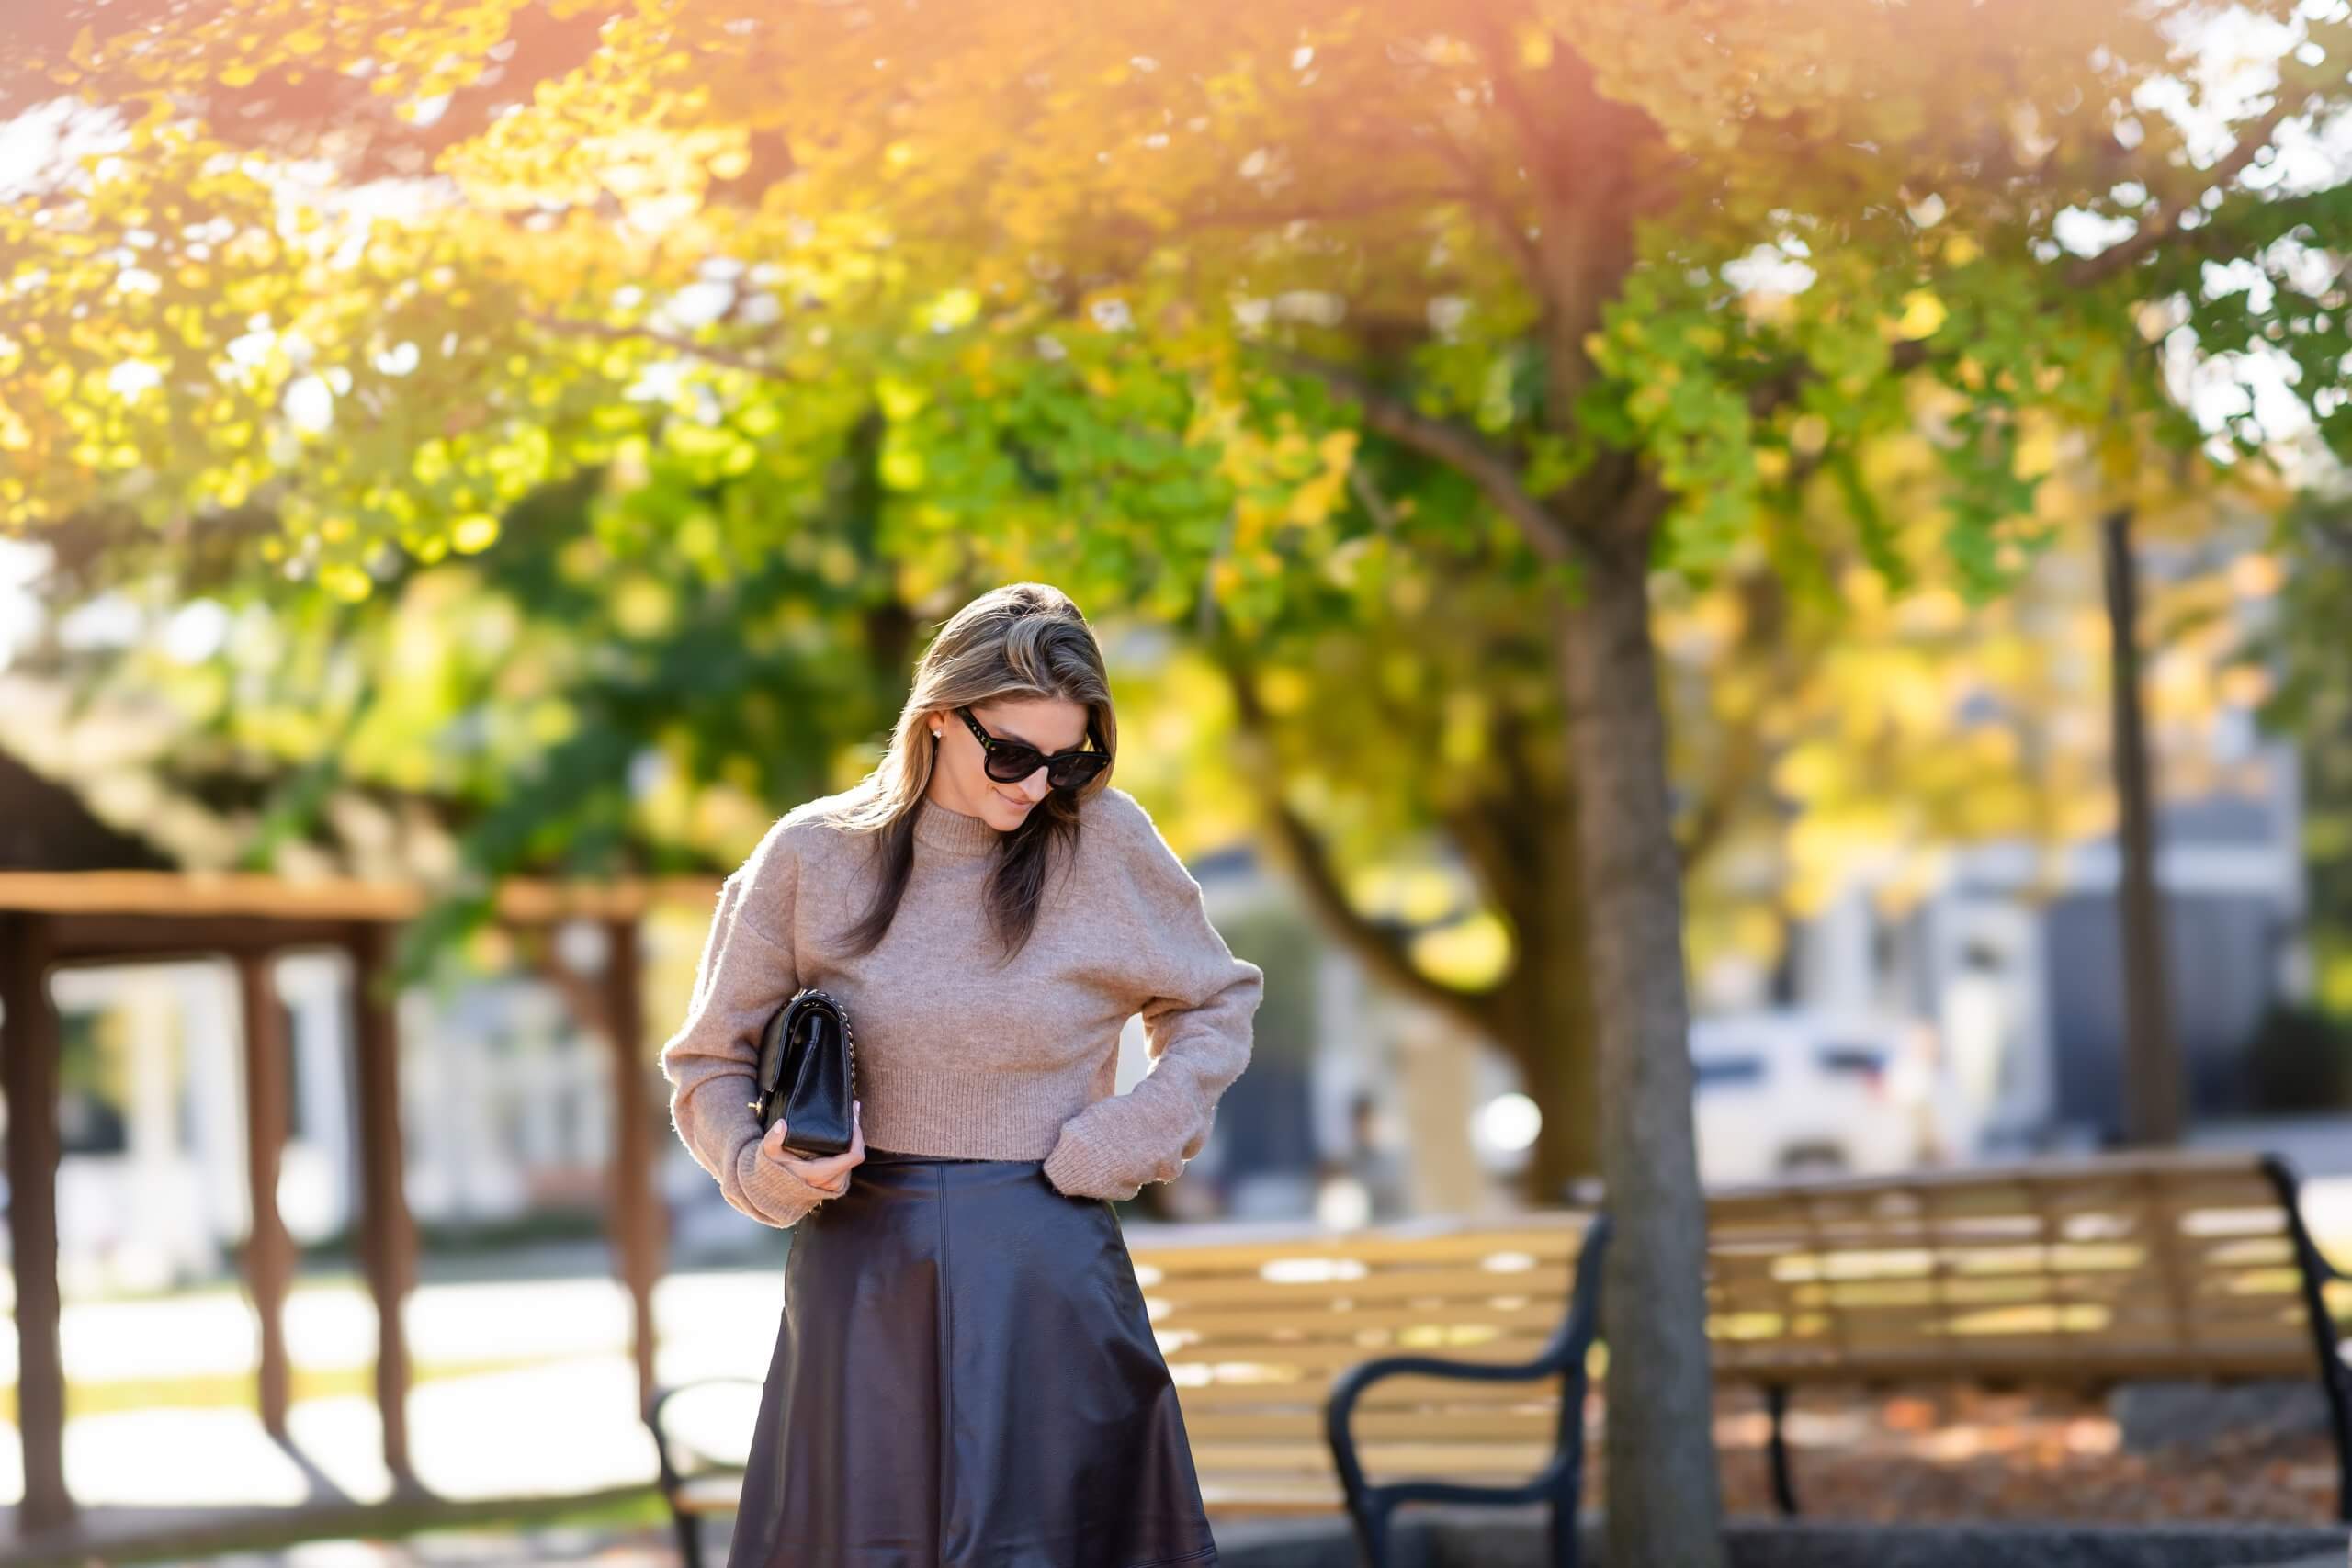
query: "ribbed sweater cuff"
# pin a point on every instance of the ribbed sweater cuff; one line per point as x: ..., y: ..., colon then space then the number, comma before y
x: 1082, y: 1167
x: 773, y: 1193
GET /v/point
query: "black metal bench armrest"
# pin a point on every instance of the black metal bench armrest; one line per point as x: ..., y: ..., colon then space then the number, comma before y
x: 2317, y: 1270
x: 1563, y: 1356
x: 672, y: 1477
x: 2308, y: 1254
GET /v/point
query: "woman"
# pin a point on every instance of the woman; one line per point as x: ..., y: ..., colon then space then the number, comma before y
x: 965, y: 1376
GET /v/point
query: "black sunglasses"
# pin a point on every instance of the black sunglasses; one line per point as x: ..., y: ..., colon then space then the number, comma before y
x: 1010, y: 761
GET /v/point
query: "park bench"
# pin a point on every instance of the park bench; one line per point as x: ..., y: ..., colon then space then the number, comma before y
x: 2082, y: 1273
x: 1259, y: 1332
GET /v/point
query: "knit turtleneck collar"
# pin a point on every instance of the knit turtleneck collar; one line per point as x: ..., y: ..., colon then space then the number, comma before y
x: 953, y: 832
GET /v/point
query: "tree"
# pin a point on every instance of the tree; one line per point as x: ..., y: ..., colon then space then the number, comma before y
x: 1132, y: 268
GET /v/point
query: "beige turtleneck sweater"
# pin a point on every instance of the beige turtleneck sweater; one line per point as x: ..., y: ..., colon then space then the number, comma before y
x: 956, y: 1055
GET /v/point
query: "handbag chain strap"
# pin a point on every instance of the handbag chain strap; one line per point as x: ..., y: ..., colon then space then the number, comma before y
x: 840, y: 1016
x: 849, y: 1039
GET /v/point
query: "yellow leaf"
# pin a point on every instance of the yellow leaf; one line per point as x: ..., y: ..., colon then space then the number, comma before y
x: 954, y: 308
x: 1283, y: 690
x: 641, y: 605
x: 345, y: 581
x: 474, y: 533
x: 1922, y: 314
x: 900, y: 396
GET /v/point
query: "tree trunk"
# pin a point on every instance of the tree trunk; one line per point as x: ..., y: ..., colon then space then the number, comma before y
x: 1663, y: 1499
x: 1556, y: 1059
x: 2151, y: 1058
x: 1549, y: 1026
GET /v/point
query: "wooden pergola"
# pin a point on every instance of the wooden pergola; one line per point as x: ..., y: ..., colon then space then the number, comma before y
x: 140, y: 912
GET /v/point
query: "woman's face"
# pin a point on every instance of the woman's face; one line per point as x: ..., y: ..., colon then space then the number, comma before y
x: 961, y: 781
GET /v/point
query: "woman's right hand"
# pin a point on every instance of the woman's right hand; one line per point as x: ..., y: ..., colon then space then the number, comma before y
x: 830, y: 1174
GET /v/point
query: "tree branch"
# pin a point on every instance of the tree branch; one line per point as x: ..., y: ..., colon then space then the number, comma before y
x: 2162, y: 226
x: 1378, y: 507
x: 1382, y: 951
x: 1495, y: 207
x: 1494, y: 472
x: 1537, y: 131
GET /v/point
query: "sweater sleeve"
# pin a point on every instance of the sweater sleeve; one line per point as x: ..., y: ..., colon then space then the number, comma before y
x: 746, y: 973
x: 1199, y: 1000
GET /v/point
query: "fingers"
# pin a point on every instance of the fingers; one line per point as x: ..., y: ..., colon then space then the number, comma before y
x: 833, y: 1165
x: 822, y: 1172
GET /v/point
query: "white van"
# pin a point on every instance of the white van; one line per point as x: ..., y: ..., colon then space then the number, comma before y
x: 1794, y: 1092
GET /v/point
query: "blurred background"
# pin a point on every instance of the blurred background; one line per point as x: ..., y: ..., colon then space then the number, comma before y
x: 465, y: 472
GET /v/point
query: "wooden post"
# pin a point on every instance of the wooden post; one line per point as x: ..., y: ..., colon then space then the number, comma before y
x: 269, y: 1250
x: 388, y: 1243
x: 29, y: 1044
x: 635, y: 1206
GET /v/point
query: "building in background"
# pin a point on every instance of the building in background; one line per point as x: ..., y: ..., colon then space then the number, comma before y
x: 2023, y: 979
x: 2016, y: 953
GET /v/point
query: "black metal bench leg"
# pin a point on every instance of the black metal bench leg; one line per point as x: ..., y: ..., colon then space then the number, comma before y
x: 2332, y: 1378
x: 1784, y: 1491
x: 689, y: 1537
x: 1373, y: 1541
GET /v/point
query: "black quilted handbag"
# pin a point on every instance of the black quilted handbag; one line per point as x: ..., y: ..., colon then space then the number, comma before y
x: 807, y: 1073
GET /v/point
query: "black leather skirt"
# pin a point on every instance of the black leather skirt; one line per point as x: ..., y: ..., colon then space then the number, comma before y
x: 966, y: 1378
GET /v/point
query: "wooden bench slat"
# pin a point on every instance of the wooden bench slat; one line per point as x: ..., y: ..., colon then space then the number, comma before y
x: 1387, y: 1285
x: 709, y: 1494
x: 1554, y: 1236
x: 1539, y: 1313
x: 1401, y: 1394
x: 1470, y: 1425
x: 1504, y: 1461
x: 1333, y: 1357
